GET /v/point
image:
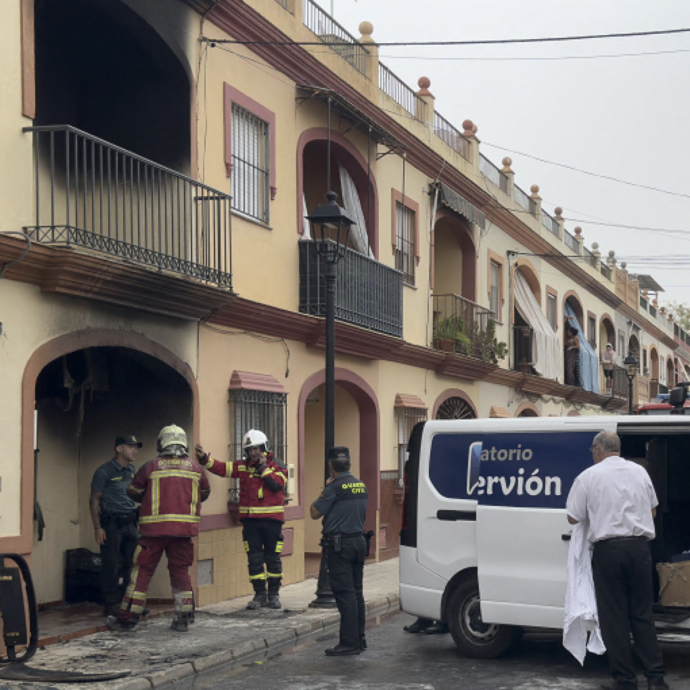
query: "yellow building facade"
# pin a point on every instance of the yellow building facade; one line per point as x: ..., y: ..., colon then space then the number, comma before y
x: 159, y: 168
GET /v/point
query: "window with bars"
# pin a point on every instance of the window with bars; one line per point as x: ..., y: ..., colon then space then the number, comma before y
x: 494, y: 297
x: 407, y: 418
x: 404, y: 242
x: 260, y: 410
x: 592, y: 328
x: 250, y: 164
x: 552, y: 310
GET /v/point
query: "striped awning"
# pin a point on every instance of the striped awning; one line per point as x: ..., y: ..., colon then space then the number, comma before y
x: 460, y: 205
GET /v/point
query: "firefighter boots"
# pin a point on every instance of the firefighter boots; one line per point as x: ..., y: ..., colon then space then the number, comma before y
x: 179, y: 624
x: 273, y: 601
x: 259, y: 600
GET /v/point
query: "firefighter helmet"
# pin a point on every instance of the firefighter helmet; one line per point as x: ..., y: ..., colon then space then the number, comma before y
x: 254, y: 437
x: 172, y: 437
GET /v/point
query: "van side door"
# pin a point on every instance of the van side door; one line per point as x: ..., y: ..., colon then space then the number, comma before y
x: 522, y: 528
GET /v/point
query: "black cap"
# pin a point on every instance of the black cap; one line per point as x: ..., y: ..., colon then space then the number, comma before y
x: 338, y: 452
x: 127, y: 441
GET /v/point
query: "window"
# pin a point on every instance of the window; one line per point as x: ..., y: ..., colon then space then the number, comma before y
x: 552, y: 310
x: 250, y: 164
x: 494, y: 289
x: 404, y: 241
x: 261, y: 410
x: 407, y: 418
x: 645, y: 365
x: 592, y: 331
x: 622, y: 349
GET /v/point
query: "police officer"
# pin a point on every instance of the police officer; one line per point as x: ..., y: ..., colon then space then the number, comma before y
x: 114, y: 518
x: 343, y: 504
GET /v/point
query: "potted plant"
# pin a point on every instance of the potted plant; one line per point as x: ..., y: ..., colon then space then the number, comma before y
x: 445, y: 332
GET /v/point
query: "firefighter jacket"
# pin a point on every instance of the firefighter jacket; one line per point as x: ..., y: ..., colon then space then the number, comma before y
x: 261, y: 493
x: 171, y: 490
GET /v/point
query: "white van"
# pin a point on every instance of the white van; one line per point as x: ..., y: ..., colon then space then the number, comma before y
x: 484, y: 543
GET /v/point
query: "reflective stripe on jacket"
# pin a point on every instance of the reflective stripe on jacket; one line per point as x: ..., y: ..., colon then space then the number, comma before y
x: 261, y: 495
x: 170, y: 490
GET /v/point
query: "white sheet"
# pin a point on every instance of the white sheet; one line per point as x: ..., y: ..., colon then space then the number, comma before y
x: 353, y: 208
x: 547, y: 358
x: 581, y: 615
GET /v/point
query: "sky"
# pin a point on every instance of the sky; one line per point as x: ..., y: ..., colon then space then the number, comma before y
x: 622, y: 117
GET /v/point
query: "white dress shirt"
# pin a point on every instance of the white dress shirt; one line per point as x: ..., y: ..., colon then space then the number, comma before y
x: 617, y: 497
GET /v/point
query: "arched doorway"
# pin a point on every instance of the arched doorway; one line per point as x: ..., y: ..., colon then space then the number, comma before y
x: 103, y: 69
x: 527, y: 409
x: 454, y: 257
x: 80, y: 392
x: 525, y: 279
x: 312, y: 150
x: 607, y: 332
x: 454, y: 404
x: 357, y: 427
x: 654, y: 372
x: 670, y: 373
x: 634, y: 349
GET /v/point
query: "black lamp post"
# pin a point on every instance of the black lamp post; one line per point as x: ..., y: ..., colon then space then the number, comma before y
x: 331, y: 230
x: 630, y: 364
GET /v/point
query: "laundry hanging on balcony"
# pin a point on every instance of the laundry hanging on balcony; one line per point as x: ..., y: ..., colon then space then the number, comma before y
x: 589, y: 362
x: 546, y: 349
x: 353, y: 208
x: 460, y: 205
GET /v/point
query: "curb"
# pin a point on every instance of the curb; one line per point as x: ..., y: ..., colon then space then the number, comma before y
x: 188, y: 669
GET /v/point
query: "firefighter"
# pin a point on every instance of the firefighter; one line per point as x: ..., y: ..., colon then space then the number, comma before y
x: 171, y: 489
x: 262, y: 486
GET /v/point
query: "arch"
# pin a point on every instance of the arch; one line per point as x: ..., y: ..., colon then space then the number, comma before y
x: 634, y: 349
x: 463, y: 234
x: 654, y: 362
x: 356, y: 166
x: 369, y: 433
x: 573, y: 413
x: 42, y: 356
x: 607, y: 331
x: 573, y: 299
x: 527, y: 409
x: 527, y: 269
x: 453, y: 393
x: 670, y: 372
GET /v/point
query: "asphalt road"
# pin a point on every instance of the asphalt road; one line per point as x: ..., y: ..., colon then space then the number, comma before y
x: 397, y: 660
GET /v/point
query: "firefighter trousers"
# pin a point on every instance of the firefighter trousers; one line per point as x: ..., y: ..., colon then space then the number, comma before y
x: 263, y: 542
x: 180, y: 554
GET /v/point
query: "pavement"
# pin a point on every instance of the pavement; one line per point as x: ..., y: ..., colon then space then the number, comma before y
x: 223, y: 633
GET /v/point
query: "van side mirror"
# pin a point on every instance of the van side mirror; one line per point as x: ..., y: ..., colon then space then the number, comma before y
x: 677, y: 398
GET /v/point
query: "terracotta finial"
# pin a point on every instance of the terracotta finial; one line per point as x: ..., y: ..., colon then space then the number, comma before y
x: 578, y: 233
x: 645, y: 294
x: 655, y: 302
x: 559, y: 213
x: 424, y: 84
x: 595, y: 246
x: 507, y: 162
x: 535, y: 191
x: 663, y: 310
x: 366, y: 29
x: 468, y: 126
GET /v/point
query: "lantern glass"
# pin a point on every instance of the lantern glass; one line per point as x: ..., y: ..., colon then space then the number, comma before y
x: 630, y: 364
x: 331, y: 225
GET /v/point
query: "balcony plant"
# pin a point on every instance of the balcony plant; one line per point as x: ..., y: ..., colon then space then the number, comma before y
x: 488, y: 347
x: 446, y: 331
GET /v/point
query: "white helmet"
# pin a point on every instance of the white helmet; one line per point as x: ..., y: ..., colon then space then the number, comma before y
x: 173, y: 439
x: 254, y: 437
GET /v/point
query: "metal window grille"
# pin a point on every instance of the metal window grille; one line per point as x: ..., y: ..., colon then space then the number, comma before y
x: 493, y: 299
x: 250, y: 169
x: 404, y: 242
x: 593, y: 332
x: 258, y: 410
x: 407, y: 418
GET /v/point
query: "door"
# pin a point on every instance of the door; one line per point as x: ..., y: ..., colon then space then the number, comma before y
x: 522, y: 529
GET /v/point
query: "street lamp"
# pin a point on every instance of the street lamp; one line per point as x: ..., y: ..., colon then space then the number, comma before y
x: 331, y: 227
x: 630, y: 364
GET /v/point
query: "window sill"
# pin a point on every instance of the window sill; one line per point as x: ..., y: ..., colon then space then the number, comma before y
x: 250, y: 219
x: 410, y: 285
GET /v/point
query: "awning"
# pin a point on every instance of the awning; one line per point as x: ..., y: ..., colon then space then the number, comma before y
x: 499, y: 412
x: 460, y: 205
x: 407, y: 400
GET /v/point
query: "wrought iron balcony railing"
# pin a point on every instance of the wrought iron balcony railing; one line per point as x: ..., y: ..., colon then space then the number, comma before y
x: 92, y: 194
x: 620, y: 383
x: 462, y: 326
x: 368, y: 293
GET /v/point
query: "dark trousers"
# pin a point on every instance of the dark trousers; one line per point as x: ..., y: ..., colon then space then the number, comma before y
x: 116, y: 557
x: 622, y: 570
x: 346, y: 572
x: 263, y: 542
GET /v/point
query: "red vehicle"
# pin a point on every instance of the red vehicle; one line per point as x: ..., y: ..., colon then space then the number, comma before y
x: 663, y: 404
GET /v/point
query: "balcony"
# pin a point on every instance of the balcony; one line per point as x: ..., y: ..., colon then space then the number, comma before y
x: 463, y: 327
x: 620, y: 383
x: 523, y: 342
x: 368, y: 293
x: 92, y: 194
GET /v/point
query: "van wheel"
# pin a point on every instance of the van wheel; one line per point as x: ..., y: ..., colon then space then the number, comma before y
x: 472, y: 636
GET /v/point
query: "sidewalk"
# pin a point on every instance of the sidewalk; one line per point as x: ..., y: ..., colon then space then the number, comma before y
x: 223, y: 632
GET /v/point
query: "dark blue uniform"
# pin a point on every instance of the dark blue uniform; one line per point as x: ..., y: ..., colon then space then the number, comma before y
x: 119, y: 520
x: 344, y: 505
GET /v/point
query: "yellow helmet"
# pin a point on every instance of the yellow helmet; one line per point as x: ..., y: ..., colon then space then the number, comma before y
x: 170, y: 436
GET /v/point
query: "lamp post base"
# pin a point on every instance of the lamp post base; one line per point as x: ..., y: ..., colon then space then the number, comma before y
x: 324, y: 596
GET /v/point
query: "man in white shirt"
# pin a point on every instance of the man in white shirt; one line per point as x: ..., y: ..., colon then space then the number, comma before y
x: 618, y: 499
